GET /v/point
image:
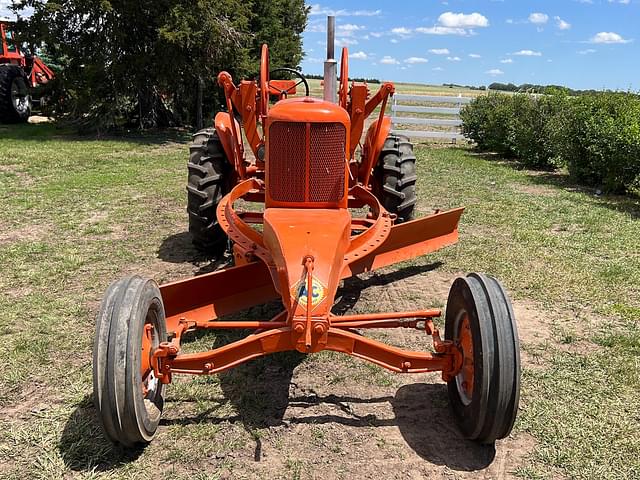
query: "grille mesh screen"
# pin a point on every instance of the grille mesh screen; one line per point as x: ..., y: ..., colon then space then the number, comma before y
x: 287, y: 162
x: 287, y: 147
x: 327, y: 162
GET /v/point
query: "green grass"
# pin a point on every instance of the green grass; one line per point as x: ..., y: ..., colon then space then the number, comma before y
x: 576, y: 254
x: 79, y: 212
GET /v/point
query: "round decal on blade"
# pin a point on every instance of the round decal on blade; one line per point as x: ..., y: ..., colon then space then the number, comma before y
x: 318, y: 292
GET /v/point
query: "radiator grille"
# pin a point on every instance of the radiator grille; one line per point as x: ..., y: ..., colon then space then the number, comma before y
x: 326, y: 180
x: 287, y: 147
x: 287, y: 167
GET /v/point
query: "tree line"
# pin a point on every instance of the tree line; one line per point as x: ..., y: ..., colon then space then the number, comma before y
x: 542, y: 89
x: 152, y: 63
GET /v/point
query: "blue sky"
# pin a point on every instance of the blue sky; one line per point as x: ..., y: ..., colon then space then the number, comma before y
x: 577, y: 43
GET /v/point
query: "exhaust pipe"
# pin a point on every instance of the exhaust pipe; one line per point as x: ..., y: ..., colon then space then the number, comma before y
x: 330, y: 93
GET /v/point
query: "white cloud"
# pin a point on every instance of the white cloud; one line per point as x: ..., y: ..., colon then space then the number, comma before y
x: 359, y: 55
x: 387, y: 60
x: 561, y: 24
x: 394, y: 40
x: 317, y: 9
x: 539, y: 18
x: 528, y: 53
x: 412, y: 60
x: 474, y: 55
x: 506, y: 60
x: 608, y: 37
x: 494, y: 72
x: 439, y: 30
x: 439, y: 51
x: 587, y: 51
x: 315, y: 26
x: 366, y: 13
x: 349, y: 27
x: 454, y: 59
x: 376, y: 34
x: 450, y: 23
x: 348, y: 30
x: 624, y: 2
x: 461, y: 20
x: 437, y: 69
x: 402, y: 31
x: 346, y: 41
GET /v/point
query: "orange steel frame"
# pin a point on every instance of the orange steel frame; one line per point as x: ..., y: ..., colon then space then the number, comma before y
x: 301, y: 254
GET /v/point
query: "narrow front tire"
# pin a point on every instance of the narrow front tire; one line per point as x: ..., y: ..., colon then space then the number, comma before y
x: 130, y: 325
x: 484, y: 395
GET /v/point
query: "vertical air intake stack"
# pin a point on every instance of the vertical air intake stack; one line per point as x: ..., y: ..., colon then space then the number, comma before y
x: 330, y: 65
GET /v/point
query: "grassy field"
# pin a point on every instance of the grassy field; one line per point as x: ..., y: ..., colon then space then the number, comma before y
x: 408, y: 88
x: 78, y: 213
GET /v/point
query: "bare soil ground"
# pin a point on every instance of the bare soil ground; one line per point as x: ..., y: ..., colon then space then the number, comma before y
x: 332, y: 417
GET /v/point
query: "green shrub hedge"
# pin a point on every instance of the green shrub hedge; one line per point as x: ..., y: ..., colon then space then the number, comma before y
x: 596, y: 136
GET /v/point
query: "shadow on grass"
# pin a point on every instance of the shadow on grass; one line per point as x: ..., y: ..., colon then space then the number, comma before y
x: 352, y: 287
x: 179, y: 248
x: 83, y: 445
x: 421, y: 413
x: 628, y: 204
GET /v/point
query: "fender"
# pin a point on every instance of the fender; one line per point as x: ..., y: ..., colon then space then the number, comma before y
x: 222, y: 124
x: 373, y: 146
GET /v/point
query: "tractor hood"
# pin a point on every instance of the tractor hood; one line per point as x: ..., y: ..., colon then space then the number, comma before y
x: 308, y: 109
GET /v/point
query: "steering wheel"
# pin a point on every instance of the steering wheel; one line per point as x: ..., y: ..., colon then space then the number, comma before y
x: 285, y: 91
x: 343, y: 90
x: 266, y: 85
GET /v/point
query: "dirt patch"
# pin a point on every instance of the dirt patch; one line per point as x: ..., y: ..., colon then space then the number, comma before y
x: 97, y: 226
x: 24, y: 178
x: 538, y: 190
x: 34, y: 399
x: 298, y: 423
x: 28, y: 233
x: 19, y: 292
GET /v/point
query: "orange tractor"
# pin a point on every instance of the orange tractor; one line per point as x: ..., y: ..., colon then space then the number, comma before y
x: 19, y: 74
x: 326, y: 216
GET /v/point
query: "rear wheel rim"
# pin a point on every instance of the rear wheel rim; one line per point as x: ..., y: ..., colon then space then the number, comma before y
x: 20, y: 96
x: 465, y: 378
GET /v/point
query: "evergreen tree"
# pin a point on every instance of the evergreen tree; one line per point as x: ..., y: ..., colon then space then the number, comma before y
x: 143, y: 63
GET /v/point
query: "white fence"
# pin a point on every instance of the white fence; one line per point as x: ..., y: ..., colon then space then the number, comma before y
x: 449, y: 116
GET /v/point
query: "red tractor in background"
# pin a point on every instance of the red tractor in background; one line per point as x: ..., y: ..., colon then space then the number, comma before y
x: 19, y: 74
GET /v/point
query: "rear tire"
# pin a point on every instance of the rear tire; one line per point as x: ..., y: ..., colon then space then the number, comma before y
x: 484, y: 396
x: 208, y: 182
x: 395, y: 177
x: 129, y: 326
x: 15, y: 99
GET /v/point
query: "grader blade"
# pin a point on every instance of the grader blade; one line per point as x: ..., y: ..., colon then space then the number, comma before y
x: 409, y: 240
x: 213, y: 295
